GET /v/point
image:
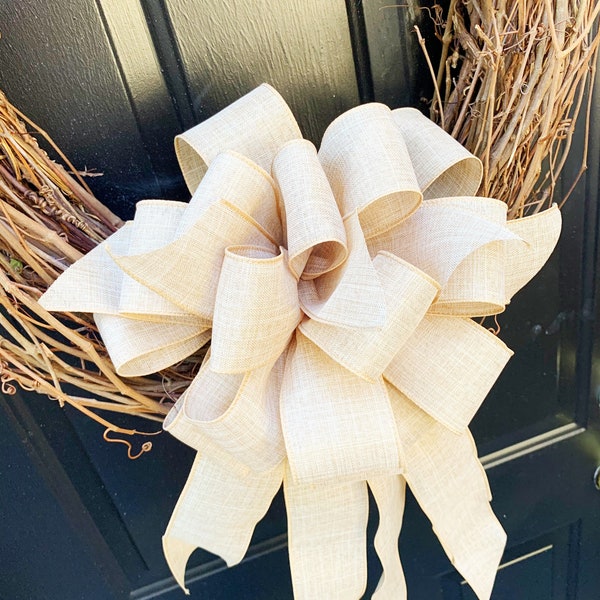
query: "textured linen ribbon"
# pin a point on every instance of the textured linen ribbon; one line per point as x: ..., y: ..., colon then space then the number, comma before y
x: 337, y: 289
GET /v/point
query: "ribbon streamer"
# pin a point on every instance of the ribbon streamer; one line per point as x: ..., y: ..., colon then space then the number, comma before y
x: 338, y: 289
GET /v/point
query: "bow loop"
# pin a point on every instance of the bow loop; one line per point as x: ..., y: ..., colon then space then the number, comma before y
x: 154, y: 226
x: 351, y: 295
x: 240, y: 182
x: 140, y: 347
x: 538, y: 236
x: 442, y: 166
x: 256, y: 309
x: 459, y: 243
x: 366, y: 352
x: 256, y: 125
x: 369, y: 168
x: 448, y: 367
x: 234, y: 417
x: 93, y: 283
x: 315, y: 234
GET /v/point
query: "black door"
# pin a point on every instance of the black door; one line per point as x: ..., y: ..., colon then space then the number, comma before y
x: 113, y: 81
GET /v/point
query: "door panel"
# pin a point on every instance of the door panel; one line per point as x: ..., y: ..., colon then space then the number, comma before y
x: 113, y: 81
x: 398, y: 69
x: 47, y: 538
x: 59, y: 66
x: 301, y: 48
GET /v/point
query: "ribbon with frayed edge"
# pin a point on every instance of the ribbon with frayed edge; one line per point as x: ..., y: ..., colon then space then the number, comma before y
x: 337, y: 289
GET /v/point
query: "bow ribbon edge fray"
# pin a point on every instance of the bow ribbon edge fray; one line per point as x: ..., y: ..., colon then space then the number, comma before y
x: 337, y: 288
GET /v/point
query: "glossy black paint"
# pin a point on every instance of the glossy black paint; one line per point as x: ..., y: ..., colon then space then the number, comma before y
x: 113, y: 81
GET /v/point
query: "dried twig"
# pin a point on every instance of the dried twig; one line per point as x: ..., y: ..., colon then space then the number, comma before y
x: 48, y: 220
x: 513, y: 77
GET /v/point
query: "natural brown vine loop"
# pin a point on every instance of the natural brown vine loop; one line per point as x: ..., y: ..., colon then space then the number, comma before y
x: 146, y: 446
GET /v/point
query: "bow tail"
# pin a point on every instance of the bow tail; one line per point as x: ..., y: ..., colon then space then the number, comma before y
x: 448, y: 481
x: 327, y: 525
x: 336, y: 426
x: 389, y: 493
x: 218, y: 511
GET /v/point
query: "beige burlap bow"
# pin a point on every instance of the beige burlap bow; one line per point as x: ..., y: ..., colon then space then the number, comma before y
x: 337, y: 289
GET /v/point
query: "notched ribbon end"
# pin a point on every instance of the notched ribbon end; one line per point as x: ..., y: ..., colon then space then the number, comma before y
x: 177, y: 553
